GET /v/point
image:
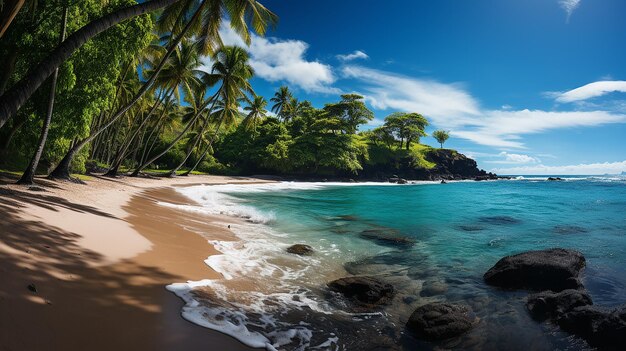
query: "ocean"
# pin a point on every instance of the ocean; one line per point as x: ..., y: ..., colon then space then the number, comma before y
x: 275, y: 300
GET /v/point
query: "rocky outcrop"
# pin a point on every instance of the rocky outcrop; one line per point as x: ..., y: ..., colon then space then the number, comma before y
x: 387, y: 237
x: 550, y: 305
x: 552, y: 269
x: 453, y: 165
x: 300, y: 249
x: 363, y: 291
x: 603, y: 329
x: 439, y: 321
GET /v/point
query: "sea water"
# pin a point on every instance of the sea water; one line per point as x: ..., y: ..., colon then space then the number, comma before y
x: 271, y: 299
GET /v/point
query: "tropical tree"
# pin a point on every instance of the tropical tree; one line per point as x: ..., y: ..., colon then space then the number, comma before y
x: 281, y: 98
x: 441, y: 136
x: 256, y: 113
x: 351, y: 110
x: 407, y: 127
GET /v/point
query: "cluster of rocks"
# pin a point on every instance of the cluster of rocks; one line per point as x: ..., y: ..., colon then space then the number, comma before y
x: 397, y: 180
x: 555, y: 179
x: 560, y: 297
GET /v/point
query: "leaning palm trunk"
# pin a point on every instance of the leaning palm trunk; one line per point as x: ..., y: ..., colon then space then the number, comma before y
x: 29, y: 174
x: 206, y: 150
x: 62, y: 171
x: 15, y: 98
x: 172, y: 173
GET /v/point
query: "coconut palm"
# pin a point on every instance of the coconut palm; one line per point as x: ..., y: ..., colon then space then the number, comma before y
x: 280, y: 99
x: 256, y: 113
x: 205, y: 20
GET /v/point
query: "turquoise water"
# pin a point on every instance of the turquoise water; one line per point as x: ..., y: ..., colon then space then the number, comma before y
x: 459, y: 231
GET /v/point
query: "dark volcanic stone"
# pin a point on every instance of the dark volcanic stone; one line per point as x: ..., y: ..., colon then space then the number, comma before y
x: 364, y: 291
x: 439, y: 321
x: 499, y: 220
x: 551, y: 269
x: 387, y: 237
x: 546, y: 304
x: 602, y: 329
x: 300, y: 249
x: 569, y: 229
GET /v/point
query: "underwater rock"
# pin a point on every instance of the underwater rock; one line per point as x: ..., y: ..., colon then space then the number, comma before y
x: 300, y: 249
x: 432, y: 288
x: 569, y: 229
x: 439, y: 321
x: 603, y: 329
x: 499, y: 220
x: 363, y: 291
x: 551, y: 269
x: 549, y: 305
x: 471, y: 228
x: 387, y: 237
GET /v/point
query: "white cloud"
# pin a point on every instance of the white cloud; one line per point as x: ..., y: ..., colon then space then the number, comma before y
x: 516, y: 159
x: 284, y: 60
x: 353, y: 56
x: 569, y: 6
x: 591, y: 90
x: 580, y: 169
x: 385, y: 90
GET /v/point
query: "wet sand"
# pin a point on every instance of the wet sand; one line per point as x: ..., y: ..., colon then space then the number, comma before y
x: 99, y: 256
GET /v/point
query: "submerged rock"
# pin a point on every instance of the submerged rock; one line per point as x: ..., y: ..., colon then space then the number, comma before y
x: 363, y: 291
x: 439, y: 321
x: 499, y: 220
x: 471, y: 228
x: 603, y: 329
x: 551, y: 269
x: 432, y: 288
x: 549, y: 305
x: 300, y: 249
x: 387, y: 237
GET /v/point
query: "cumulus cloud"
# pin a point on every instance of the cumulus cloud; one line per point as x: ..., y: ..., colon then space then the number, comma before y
x: 586, y: 169
x: 284, y: 60
x: 509, y: 158
x: 569, y: 6
x: 590, y: 90
x: 353, y: 56
x: 385, y: 90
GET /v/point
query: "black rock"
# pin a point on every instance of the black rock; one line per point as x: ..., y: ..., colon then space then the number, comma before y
x: 552, y: 179
x: 439, y: 321
x: 387, y: 237
x: 551, y: 269
x: 300, y: 249
x: 363, y: 291
x: 549, y: 305
x: 603, y: 329
x: 471, y: 228
x: 32, y: 288
x: 402, y: 181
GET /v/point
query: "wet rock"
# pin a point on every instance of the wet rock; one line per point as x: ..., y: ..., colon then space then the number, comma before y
x: 603, y: 329
x: 552, y: 179
x: 569, y: 229
x: 433, y: 288
x: 499, y: 220
x: 363, y: 291
x: 402, y: 181
x: 549, y: 305
x: 387, y: 237
x: 300, y: 249
x: 439, y: 321
x: 551, y: 269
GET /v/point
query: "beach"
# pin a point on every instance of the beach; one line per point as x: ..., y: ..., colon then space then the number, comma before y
x: 84, y: 266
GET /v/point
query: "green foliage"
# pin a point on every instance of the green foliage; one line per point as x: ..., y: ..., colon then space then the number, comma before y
x: 407, y: 127
x: 441, y: 136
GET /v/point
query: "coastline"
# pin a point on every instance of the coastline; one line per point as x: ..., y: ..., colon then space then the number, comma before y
x: 100, y: 277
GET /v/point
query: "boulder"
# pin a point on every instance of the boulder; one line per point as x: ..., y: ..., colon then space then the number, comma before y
x: 439, y: 321
x: 551, y: 269
x: 603, y: 329
x: 402, y: 181
x: 552, y: 179
x: 363, y: 291
x: 387, y: 237
x: 300, y: 249
x: 549, y: 305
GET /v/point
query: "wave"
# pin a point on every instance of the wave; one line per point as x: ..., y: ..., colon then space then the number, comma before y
x: 615, y: 178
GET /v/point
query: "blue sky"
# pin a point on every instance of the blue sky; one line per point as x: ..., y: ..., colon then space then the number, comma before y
x: 524, y: 86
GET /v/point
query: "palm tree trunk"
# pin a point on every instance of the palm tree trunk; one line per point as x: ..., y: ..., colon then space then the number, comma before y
x: 62, y: 170
x: 29, y: 173
x: 172, y: 173
x: 206, y: 150
x: 12, y: 100
x: 9, y: 68
x: 10, y: 10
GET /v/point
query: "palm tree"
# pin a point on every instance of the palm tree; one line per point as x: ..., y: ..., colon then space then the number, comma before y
x: 232, y: 69
x: 29, y: 173
x: 280, y: 99
x: 256, y: 113
x: 206, y: 20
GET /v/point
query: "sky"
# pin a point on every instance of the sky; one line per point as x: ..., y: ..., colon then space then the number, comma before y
x: 523, y: 86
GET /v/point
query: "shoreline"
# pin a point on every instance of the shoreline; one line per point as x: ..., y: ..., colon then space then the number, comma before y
x: 98, y: 281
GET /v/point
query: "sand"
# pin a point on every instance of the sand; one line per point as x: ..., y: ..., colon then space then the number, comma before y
x: 100, y: 255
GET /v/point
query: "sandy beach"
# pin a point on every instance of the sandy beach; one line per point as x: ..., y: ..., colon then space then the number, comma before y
x: 84, y: 266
